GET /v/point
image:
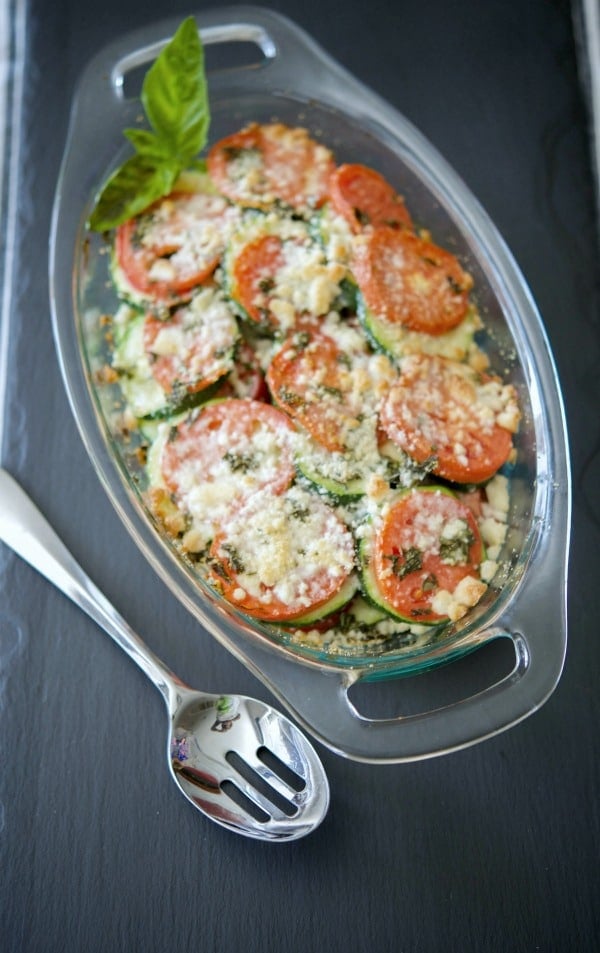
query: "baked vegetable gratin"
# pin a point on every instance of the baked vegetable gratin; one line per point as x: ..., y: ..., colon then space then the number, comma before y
x: 313, y: 382
x: 325, y: 440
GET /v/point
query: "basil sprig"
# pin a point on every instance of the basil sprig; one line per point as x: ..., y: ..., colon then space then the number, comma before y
x: 175, y: 100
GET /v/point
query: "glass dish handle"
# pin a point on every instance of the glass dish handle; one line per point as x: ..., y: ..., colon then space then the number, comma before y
x: 103, y: 109
x: 283, y: 45
x: 319, y: 697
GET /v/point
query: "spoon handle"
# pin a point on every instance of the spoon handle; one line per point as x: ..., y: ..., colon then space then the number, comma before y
x: 25, y: 530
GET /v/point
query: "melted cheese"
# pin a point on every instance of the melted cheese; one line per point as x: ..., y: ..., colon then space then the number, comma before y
x: 195, y: 229
x: 290, y: 547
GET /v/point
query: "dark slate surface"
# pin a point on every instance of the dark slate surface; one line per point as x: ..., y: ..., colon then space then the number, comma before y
x: 494, y: 848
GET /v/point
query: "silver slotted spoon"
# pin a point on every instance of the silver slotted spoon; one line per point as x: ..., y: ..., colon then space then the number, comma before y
x: 237, y: 760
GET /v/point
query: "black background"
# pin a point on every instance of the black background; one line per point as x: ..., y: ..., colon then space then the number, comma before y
x: 494, y: 848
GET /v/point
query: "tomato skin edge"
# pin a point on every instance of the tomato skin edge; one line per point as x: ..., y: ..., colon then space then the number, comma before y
x: 375, y: 188
x: 224, y: 581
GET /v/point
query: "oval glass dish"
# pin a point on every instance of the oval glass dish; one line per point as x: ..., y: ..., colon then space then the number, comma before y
x: 286, y: 77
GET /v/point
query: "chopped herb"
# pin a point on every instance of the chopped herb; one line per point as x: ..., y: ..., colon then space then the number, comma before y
x: 178, y: 392
x: 301, y: 339
x: 454, y: 550
x: 407, y: 472
x: 362, y: 217
x: 237, y: 563
x: 289, y: 397
x: 300, y: 512
x: 217, y: 567
x: 409, y: 560
x: 266, y: 284
x: 265, y: 324
x: 234, y: 152
x: 429, y: 583
x: 240, y: 462
x: 456, y: 287
x: 142, y: 226
x: 345, y: 300
x: 123, y: 373
x: 347, y: 622
x: 332, y: 391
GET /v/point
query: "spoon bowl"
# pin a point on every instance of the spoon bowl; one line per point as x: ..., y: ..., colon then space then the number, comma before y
x: 242, y: 763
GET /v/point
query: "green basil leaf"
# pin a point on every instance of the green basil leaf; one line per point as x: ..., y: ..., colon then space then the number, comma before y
x: 174, y: 93
x: 148, y: 144
x: 133, y: 187
x: 175, y: 99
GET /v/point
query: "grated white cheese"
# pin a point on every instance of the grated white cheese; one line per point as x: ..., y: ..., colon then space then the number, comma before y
x: 291, y: 547
x: 192, y: 229
x: 497, y: 495
x: 456, y: 604
x: 214, y: 469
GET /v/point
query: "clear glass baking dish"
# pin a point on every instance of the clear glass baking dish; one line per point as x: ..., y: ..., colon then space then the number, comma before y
x: 262, y: 67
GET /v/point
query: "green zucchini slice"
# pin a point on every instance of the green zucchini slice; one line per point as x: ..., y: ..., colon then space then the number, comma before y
x: 395, y: 340
x: 333, y: 605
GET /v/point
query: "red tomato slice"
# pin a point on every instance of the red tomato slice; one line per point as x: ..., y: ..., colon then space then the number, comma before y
x: 441, y: 409
x: 277, y: 280
x: 280, y: 557
x: 364, y: 198
x: 407, y: 280
x: 173, y: 247
x: 253, y: 278
x: 238, y: 445
x: 411, y: 559
x: 309, y: 379
x: 264, y: 164
x: 192, y: 348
